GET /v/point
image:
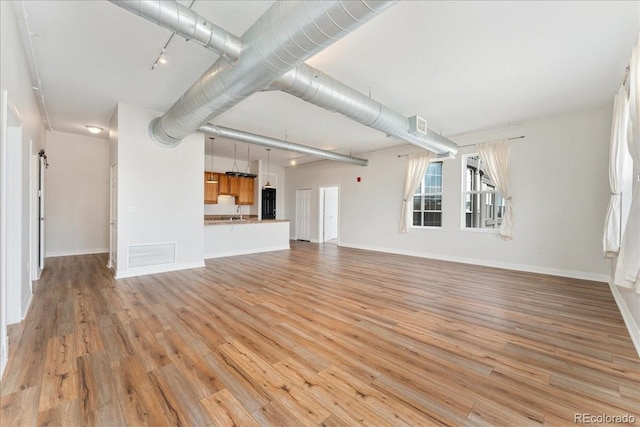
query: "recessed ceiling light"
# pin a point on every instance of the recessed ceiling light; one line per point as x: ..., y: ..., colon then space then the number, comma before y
x: 94, y: 129
x: 162, y: 59
x: 292, y: 162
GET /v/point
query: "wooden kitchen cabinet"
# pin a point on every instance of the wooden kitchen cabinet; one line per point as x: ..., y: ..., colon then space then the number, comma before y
x: 240, y: 187
x: 210, y: 190
x: 223, y: 184
x: 228, y: 185
x: 246, y: 191
x: 234, y: 185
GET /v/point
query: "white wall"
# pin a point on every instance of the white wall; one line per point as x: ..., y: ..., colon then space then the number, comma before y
x: 160, y: 193
x: 560, y: 185
x: 14, y: 78
x: 77, y: 194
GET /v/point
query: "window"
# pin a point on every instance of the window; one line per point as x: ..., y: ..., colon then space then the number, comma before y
x: 483, y: 205
x: 427, y: 201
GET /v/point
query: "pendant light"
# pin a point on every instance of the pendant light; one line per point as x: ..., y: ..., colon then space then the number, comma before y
x: 212, y: 177
x: 268, y: 184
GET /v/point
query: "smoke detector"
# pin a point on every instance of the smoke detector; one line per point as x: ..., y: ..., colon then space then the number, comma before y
x: 417, y: 124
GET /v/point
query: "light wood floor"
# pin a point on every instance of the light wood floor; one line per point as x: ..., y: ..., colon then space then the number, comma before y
x: 319, y: 335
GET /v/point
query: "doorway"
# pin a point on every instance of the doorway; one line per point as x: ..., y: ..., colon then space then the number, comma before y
x: 328, y: 213
x: 303, y: 214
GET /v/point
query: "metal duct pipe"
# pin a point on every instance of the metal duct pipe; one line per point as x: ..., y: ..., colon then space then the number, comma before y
x: 281, y: 39
x: 186, y: 23
x: 304, y: 81
x: 320, y: 89
x: 238, y: 135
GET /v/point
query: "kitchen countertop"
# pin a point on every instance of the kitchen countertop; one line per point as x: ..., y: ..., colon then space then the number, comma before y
x: 234, y: 220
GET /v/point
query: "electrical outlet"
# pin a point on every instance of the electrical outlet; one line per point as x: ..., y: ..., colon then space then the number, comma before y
x: 132, y: 209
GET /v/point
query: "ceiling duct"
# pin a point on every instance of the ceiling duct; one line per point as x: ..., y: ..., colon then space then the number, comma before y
x: 238, y: 135
x: 304, y: 81
x: 320, y: 89
x: 282, y: 38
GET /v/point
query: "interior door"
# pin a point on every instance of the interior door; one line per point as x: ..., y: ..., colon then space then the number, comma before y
x: 303, y: 214
x: 113, y: 218
x: 330, y: 213
x: 268, y: 203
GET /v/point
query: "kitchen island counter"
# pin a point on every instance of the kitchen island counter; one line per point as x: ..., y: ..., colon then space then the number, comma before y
x: 225, y: 237
x: 241, y: 221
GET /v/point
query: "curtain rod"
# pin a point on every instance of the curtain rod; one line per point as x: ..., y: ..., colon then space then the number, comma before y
x: 469, y: 145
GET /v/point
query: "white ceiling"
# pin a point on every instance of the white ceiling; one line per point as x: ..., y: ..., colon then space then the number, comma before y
x: 462, y: 65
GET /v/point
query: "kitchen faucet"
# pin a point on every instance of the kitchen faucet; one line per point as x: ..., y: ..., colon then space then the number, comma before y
x: 240, y: 211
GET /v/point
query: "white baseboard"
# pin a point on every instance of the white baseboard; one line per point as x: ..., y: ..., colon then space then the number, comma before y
x: 142, y: 271
x: 629, y: 321
x: 246, y: 252
x: 77, y: 252
x: 486, y: 263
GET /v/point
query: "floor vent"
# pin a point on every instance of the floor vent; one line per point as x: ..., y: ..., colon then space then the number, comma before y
x: 148, y: 255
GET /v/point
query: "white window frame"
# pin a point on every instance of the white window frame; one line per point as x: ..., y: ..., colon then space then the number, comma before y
x: 463, y: 204
x: 422, y: 196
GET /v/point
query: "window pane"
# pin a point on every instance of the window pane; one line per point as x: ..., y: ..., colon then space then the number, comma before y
x: 432, y: 203
x: 416, y: 203
x: 417, y: 216
x: 433, y: 178
x: 432, y: 219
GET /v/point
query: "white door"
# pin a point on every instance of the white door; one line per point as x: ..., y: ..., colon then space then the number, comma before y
x: 113, y: 219
x: 330, y: 213
x: 303, y: 213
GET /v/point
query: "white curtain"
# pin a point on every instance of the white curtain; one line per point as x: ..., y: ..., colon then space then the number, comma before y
x: 628, y: 269
x: 418, y: 164
x: 617, y: 151
x: 495, y: 156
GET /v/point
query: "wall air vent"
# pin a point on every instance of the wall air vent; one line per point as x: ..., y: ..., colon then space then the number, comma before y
x: 150, y: 255
x: 417, y: 125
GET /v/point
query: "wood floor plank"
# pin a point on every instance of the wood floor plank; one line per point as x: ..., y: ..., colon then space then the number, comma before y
x: 318, y: 335
x: 65, y: 414
x: 177, y: 396
x: 60, y: 379
x: 99, y: 401
x: 20, y: 408
x: 226, y: 411
x: 141, y: 403
x: 202, y: 379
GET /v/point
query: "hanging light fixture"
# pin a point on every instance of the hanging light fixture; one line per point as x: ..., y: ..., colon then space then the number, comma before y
x: 268, y: 184
x: 212, y: 177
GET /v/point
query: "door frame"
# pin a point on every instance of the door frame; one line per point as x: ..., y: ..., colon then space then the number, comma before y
x: 112, y: 262
x: 42, y: 259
